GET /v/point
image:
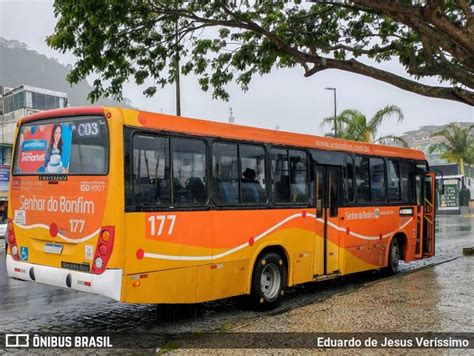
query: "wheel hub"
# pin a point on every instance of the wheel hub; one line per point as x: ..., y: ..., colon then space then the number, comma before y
x: 270, y: 281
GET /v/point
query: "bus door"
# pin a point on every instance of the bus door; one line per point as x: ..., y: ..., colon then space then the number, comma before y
x: 328, y: 195
x: 419, y: 213
x: 429, y: 209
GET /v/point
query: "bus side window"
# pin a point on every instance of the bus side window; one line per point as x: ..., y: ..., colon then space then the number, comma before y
x: 362, y: 179
x: 150, y: 182
x: 349, y: 179
x: 189, y: 171
x: 299, y: 177
x: 406, y: 181
x: 419, y: 172
x: 225, y: 173
x: 377, y: 179
x: 319, y: 189
x: 418, y: 189
x: 428, y: 195
x: 252, y: 174
x: 280, y: 175
x: 393, y: 174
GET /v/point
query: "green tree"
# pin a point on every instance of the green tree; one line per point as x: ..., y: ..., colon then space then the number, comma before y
x: 231, y: 40
x: 353, y: 125
x: 456, y: 146
x: 469, y: 160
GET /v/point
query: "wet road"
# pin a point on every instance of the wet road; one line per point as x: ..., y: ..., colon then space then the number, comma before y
x: 28, y: 307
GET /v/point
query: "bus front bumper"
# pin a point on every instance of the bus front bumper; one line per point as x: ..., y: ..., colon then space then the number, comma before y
x: 108, y: 284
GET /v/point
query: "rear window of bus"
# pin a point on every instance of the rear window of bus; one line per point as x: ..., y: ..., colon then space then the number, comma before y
x: 74, y: 146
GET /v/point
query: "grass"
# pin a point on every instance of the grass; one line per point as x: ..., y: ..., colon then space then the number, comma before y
x: 168, y: 347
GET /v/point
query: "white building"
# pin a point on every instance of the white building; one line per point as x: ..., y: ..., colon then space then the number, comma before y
x: 16, y: 103
x: 19, y: 102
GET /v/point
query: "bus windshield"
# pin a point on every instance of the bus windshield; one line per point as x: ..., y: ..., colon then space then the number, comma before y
x: 75, y: 146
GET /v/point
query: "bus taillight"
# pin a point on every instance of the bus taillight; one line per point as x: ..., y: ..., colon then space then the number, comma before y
x: 12, y: 241
x: 103, y: 249
x: 10, y: 226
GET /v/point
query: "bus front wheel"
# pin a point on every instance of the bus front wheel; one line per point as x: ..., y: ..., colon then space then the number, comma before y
x: 393, y: 258
x: 268, y: 281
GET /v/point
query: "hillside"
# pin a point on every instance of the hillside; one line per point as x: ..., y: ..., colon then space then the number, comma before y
x: 21, y: 66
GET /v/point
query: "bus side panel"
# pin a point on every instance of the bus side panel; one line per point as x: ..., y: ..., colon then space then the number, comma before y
x: 222, y: 280
x: 167, y: 286
x: 368, y: 234
x: 238, y: 238
x: 218, y: 248
x: 242, y: 235
x: 167, y: 247
x: 353, y: 251
x: 189, y: 257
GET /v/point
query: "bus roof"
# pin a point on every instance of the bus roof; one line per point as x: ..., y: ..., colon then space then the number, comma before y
x: 200, y: 127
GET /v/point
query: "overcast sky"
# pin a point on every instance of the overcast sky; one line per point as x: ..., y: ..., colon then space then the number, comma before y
x: 284, y: 98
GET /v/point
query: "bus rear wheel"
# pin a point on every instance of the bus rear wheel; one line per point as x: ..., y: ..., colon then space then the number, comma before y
x: 268, y: 281
x: 393, y: 259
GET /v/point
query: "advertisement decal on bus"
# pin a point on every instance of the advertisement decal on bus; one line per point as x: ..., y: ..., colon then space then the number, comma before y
x: 72, y: 150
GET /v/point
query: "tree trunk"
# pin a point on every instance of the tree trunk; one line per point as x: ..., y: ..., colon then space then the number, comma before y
x: 368, y: 137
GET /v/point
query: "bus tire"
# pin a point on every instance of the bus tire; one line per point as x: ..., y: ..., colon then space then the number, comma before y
x: 269, y: 281
x: 393, y: 259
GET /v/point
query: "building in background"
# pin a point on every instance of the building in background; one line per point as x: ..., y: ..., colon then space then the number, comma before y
x: 423, y: 138
x: 16, y: 103
x: 458, y: 197
x: 19, y: 102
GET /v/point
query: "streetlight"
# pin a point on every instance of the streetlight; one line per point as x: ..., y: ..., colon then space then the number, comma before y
x: 335, y: 111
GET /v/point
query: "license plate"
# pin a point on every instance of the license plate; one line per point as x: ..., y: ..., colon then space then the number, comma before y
x: 82, y: 267
x: 55, y: 249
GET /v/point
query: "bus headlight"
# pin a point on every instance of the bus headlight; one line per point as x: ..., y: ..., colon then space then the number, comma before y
x: 98, y: 263
x: 14, y: 250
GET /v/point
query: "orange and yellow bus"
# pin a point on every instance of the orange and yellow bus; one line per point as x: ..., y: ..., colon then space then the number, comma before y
x: 151, y: 208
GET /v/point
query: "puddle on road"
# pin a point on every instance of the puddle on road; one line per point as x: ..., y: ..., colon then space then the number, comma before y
x: 449, y: 225
x: 453, y: 229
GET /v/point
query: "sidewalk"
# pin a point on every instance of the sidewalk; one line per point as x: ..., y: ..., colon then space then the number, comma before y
x: 437, y: 299
x: 432, y: 299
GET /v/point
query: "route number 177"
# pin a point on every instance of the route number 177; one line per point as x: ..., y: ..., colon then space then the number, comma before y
x: 76, y: 225
x: 157, y: 225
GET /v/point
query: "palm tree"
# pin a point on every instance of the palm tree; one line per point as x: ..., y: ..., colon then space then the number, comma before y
x: 456, y: 146
x: 353, y: 125
x: 469, y: 160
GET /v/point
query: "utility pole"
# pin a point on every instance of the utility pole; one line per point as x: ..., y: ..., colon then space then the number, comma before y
x: 335, y: 111
x: 178, y: 84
